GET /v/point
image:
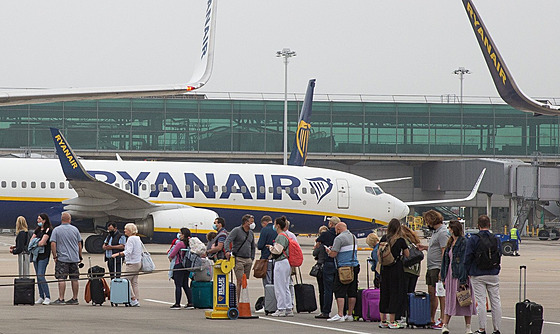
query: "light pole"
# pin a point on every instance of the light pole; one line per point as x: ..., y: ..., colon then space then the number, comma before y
x: 286, y: 53
x: 461, y: 71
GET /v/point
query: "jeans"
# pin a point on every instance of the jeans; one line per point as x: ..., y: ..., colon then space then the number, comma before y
x: 329, y: 270
x: 115, y: 266
x: 40, y: 268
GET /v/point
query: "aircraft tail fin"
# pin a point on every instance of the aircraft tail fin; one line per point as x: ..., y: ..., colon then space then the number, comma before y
x: 298, y: 156
x: 503, y: 80
x: 71, y: 166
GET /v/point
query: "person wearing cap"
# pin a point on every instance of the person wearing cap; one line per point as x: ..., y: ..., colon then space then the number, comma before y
x: 329, y: 269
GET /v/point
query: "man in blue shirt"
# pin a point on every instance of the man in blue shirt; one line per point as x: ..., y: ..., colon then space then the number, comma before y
x: 484, y: 281
x: 345, y: 250
x: 114, y: 243
x: 267, y: 236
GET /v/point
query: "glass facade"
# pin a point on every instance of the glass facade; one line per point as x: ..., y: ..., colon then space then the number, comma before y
x: 235, y: 125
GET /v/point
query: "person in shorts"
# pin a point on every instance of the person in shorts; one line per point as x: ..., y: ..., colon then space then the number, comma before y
x: 241, y: 244
x: 435, y: 249
x: 66, y: 248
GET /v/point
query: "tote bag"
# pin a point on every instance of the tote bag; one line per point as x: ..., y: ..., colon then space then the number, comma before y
x: 147, y: 262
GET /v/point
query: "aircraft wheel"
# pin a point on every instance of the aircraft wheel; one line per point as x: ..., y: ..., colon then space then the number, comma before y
x: 555, y: 231
x: 507, y: 248
x: 543, y: 235
x: 94, y: 244
x: 233, y: 313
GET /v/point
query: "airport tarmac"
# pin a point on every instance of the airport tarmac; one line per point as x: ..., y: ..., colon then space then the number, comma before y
x: 156, y: 295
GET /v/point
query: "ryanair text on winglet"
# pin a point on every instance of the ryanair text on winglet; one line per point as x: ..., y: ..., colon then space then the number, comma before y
x: 66, y: 151
x: 484, y: 40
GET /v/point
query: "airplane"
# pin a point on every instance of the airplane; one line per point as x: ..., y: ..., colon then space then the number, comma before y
x: 503, y: 80
x: 200, y: 77
x: 162, y: 197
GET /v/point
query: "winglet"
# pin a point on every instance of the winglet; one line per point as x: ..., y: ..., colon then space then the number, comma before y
x: 503, y: 80
x: 71, y: 166
x: 468, y: 198
x: 298, y: 156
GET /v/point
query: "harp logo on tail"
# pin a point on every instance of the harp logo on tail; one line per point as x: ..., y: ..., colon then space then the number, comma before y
x: 321, y: 186
x: 303, y: 132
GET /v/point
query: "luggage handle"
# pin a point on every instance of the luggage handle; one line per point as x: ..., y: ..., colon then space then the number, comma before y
x: 368, y: 261
x: 521, y: 271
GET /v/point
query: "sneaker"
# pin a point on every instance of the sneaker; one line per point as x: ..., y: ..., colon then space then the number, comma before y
x: 336, y: 318
x: 468, y: 331
x: 47, y: 301
x: 279, y: 313
x: 261, y: 310
x: 393, y: 325
x: 402, y: 322
x: 478, y: 331
x: 289, y: 313
x: 135, y: 303
x: 189, y: 306
x: 444, y: 330
x: 39, y: 301
x: 62, y: 302
x: 438, y: 324
x: 175, y: 307
x: 72, y: 302
x: 349, y: 317
x: 383, y: 324
x: 496, y: 332
x: 322, y: 316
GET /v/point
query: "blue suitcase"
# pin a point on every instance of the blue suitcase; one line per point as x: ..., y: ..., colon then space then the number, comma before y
x: 202, y: 293
x: 120, y: 292
x: 419, y: 309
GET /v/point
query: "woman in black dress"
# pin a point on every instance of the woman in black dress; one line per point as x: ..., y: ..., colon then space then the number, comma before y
x: 393, y: 292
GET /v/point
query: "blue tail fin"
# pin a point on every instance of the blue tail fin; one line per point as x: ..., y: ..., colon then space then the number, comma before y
x: 71, y: 167
x: 299, y: 149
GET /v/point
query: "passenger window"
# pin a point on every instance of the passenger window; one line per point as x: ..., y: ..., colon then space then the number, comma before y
x: 224, y: 189
x: 287, y: 190
x: 118, y: 185
x: 152, y: 187
x: 4, y: 184
x: 270, y: 190
x: 296, y: 190
x: 23, y: 184
x: 70, y: 185
x: 278, y: 190
x: 62, y: 185
x: 252, y: 189
x: 262, y: 189
x: 243, y: 189
x: 33, y: 184
x: 187, y: 187
x: 14, y: 184
x: 196, y: 187
x: 215, y: 188
x: 312, y: 190
x: 53, y: 185
x: 233, y: 189
x: 43, y: 185
x: 304, y: 191
x: 206, y: 188
x: 127, y: 186
x: 144, y: 186
x: 169, y: 187
x: 160, y: 187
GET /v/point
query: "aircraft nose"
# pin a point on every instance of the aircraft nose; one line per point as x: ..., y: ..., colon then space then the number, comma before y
x: 401, y: 209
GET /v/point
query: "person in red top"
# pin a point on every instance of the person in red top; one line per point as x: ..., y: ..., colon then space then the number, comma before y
x: 181, y: 277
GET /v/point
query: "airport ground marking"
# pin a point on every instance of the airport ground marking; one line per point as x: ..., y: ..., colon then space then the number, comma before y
x: 158, y: 301
x: 314, y: 326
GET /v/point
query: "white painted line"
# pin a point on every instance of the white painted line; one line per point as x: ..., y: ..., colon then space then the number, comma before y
x: 314, y: 326
x: 157, y: 301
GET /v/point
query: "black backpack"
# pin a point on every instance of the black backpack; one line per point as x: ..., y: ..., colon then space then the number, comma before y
x: 487, y: 254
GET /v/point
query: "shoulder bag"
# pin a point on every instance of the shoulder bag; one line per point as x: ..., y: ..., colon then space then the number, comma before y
x: 346, y: 273
x: 415, y: 256
x: 260, y: 267
x: 464, y: 296
x: 147, y: 262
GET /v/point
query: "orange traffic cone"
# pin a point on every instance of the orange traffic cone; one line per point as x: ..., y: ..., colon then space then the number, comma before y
x: 244, y: 305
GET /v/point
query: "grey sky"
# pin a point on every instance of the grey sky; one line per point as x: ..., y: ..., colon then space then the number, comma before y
x: 389, y: 47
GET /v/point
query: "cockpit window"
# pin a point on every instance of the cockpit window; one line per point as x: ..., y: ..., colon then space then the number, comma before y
x: 374, y: 190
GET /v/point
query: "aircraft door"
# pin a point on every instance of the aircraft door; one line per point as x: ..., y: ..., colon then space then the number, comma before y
x: 343, y: 198
x: 144, y: 189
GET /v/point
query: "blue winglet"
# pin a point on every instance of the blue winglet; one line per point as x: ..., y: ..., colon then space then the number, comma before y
x: 298, y: 156
x: 72, y: 168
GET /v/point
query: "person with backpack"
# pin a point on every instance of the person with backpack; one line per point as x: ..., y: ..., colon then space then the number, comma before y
x: 280, y: 251
x: 345, y: 251
x: 241, y: 244
x: 482, y: 264
x: 181, y: 277
x: 392, y: 247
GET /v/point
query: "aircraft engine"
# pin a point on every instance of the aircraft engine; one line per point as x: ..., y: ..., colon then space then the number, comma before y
x: 195, y: 219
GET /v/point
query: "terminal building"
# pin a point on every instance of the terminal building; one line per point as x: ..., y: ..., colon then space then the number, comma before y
x: 442, y: 144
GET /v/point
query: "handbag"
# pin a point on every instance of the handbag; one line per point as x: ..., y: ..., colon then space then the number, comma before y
x: 346, y: 274
x: 415, y: 256
x: 316, y: 270
x: 147, y: 262
x: 464, y: 296
x: 260, y: 268
x: 440, y: 289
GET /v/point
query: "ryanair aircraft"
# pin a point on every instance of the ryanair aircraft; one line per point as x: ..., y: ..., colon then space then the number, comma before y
x: 162, y: 197
x: 200, y: 76
x: 503, y: 80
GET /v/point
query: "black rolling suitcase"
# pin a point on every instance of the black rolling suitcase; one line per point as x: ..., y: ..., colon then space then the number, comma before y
x: 24, y: 291
x: 305, y: 296
x: 528, y: 314
x: 97, y: 291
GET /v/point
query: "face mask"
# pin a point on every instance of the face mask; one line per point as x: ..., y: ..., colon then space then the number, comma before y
x: 252, y: 226
x: 39, y: 224
x: 178, y: 235
x: 449, y: 233
x: 215, y: 227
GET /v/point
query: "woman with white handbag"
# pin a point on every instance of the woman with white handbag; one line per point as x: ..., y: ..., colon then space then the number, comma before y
x: 133, y: 258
